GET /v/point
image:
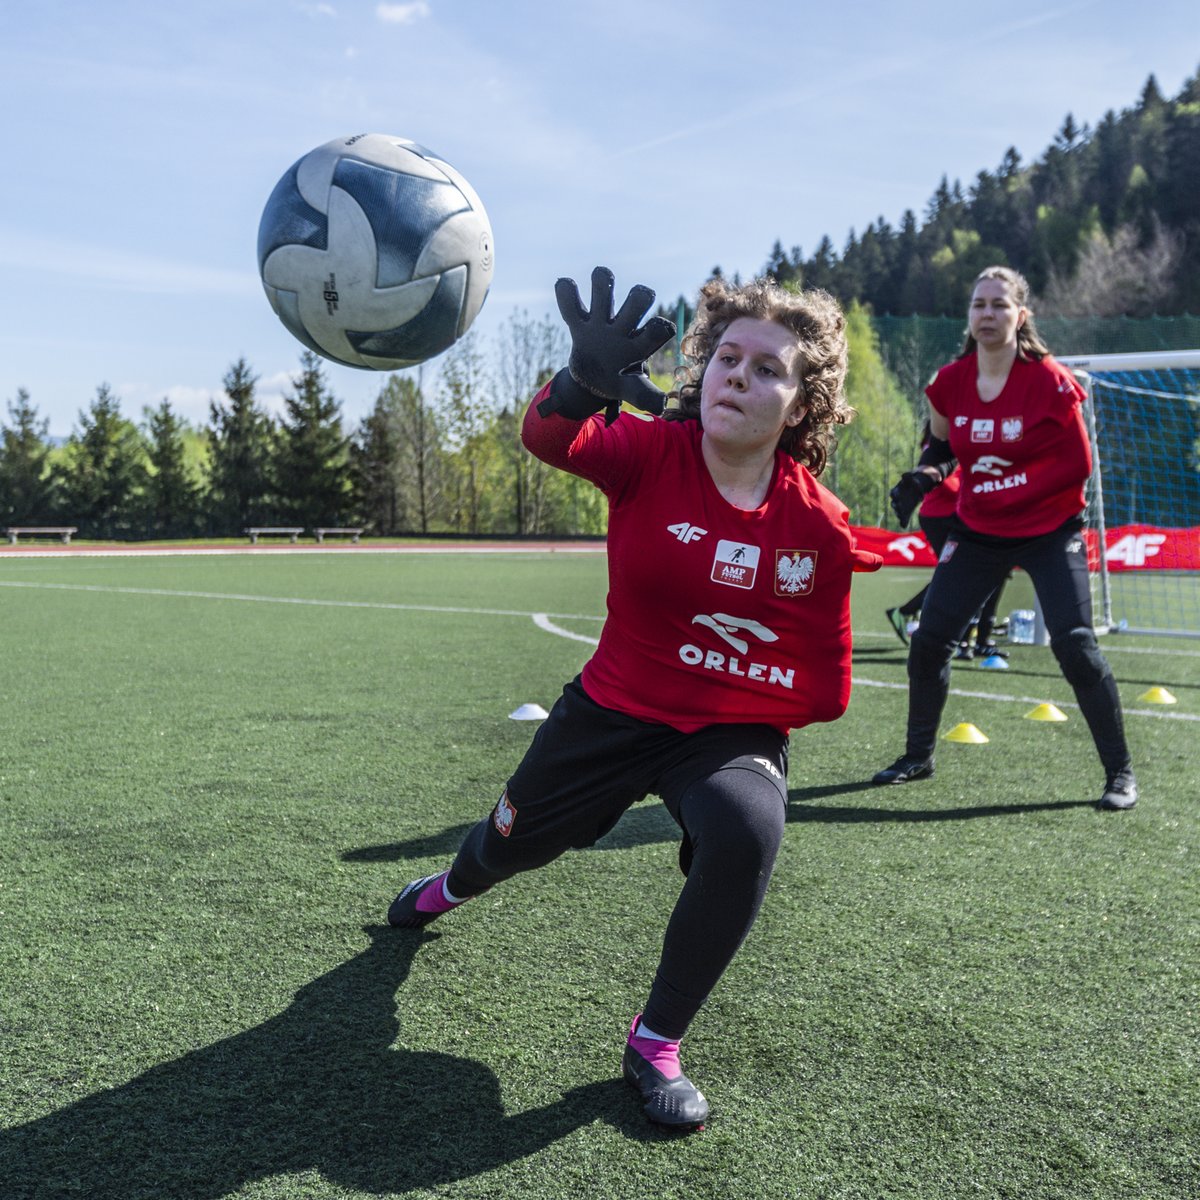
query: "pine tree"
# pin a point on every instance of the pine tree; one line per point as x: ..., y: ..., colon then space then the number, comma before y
x: 103, y: 472
x: 26, y: 489
x: 241, y: 442
x: 374, y: 467
x: 172, y: 493
x: 312, y: 464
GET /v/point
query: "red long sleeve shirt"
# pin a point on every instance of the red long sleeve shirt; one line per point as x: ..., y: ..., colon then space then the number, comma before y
x: 716, y: 614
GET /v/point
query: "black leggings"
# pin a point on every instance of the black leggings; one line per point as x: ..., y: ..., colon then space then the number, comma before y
x: 726, y: 788
x: 971, y: 566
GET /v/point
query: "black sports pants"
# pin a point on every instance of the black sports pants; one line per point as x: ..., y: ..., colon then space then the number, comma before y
x: 725, y: 785
x: 970, y: 567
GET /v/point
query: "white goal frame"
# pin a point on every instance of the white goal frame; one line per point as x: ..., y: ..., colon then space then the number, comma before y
x: 1085, y: 367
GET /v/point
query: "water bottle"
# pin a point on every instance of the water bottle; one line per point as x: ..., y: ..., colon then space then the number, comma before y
x: 1020, y: 627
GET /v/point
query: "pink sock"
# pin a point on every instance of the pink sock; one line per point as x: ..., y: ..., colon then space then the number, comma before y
x: 662, y: 1056
x: 433, y: 898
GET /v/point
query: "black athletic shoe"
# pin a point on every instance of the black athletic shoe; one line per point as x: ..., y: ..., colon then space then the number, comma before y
x: 905, y: 769
x: 989, y: 650
x: 964, y: 652
x: 1120, y: 792
x: 899, y: 622
x: 404, y: 912
x: 676, y: 1103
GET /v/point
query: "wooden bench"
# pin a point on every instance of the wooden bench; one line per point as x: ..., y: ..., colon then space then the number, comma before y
x: 63, y: 531
x: 352, y: 534
x: 288, y: 531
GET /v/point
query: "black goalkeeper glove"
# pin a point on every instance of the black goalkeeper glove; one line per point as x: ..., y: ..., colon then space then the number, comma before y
x: 907, y: 495
x: 607, y: 366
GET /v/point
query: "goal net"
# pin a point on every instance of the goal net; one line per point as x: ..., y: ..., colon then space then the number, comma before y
x: 1144, y: 495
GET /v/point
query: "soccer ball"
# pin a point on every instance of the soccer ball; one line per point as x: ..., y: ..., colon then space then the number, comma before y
x: 375, y: 252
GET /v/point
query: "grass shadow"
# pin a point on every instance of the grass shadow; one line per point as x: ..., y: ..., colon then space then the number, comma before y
x: 802, y: 806
x: 320, y: 1087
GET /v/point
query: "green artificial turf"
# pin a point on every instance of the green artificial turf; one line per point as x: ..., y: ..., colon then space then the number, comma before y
x: 215, y: 772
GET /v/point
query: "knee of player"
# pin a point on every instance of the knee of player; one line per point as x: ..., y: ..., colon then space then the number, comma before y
x: 1079, y: 656
x: 928, y: 654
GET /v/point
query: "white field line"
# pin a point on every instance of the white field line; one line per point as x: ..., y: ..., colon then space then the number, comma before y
x: 542, y: 620
x: 49, y: 553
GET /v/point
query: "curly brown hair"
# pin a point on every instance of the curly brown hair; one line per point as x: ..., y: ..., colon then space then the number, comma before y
x: 817, y: 321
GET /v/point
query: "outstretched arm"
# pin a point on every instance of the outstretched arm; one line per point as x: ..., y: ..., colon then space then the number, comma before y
x: 607, y: 366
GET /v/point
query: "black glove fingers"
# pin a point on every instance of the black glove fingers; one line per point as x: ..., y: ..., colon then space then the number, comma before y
x: 636, y: 305
x: 652, y: 336
x: 570, y: 305
x: 602, y: 295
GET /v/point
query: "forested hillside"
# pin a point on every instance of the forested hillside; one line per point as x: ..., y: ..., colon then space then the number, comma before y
x: 1106, y: 222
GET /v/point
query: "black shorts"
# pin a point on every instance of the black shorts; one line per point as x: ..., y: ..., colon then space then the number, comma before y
x: 587, y: 764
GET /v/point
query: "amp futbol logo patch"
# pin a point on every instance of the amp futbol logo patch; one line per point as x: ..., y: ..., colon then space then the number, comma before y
x: 735, y: 564
x: 982, y: 430
x: 504, y: 816
x: 795, y: 571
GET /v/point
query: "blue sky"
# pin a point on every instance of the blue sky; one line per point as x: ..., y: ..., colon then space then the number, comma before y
x: 659, y: 137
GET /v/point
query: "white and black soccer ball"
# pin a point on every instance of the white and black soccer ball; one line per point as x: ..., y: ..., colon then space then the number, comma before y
x: 375, y: 252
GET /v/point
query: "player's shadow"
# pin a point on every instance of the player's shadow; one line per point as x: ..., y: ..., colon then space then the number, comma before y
x: 803, y: 805
x: 318, y: 1088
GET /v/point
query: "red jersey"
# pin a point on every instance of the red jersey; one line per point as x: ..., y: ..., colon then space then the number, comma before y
x: 943, y: 500
x: 716, y: 614
x: 1024, y: 456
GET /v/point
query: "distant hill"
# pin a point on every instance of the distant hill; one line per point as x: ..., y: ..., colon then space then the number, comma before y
x: 1105, y: 223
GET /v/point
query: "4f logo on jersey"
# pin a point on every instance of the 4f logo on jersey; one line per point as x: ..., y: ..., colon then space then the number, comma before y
x: 795, y: 571
x: 983, y: 429
x: 735, y: 564
x: 686, y: 533
x: 1011, y: 429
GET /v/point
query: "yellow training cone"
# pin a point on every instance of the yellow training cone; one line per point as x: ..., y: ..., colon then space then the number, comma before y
x: 1045, y: 712
x: 965, y: 733
x: 1157, y: 695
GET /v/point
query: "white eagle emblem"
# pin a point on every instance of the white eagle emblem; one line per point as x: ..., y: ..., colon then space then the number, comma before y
x: 794, y: 572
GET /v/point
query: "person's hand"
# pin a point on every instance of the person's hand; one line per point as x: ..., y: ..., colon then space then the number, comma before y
x: 609, y: 352
x: 907, y: 495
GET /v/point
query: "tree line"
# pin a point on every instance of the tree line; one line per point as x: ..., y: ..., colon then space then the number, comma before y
x: 1106, y: 222
x: 444, y: 459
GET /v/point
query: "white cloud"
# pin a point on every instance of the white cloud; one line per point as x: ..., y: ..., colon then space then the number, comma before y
x: 402, y: 14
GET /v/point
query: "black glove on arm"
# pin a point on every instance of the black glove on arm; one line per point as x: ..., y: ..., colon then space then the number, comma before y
x: 913, y: 487
x: 608, y: 353
x: 937, y: 454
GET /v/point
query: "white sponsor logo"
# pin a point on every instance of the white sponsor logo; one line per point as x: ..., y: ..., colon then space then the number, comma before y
x: 1134, y: 548
x: 736, y: 633
x: 735, y: 564
x: 907, y: 547
x: 959, y: 422
x: 990, y: 464
x: 768, y: 766
x: 686, y: 533
x: 1001, y: 485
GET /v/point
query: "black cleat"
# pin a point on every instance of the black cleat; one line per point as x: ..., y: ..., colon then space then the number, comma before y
x: 964, y: 653
x: 899, y: 623
x: 905, y: 769
x: 1120, y: 792
x: 404, y: 913
x: 989, y: 650
x: 675, y: 1103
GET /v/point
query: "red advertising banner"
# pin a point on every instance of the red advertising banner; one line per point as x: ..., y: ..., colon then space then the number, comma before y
x: 1128, y: 547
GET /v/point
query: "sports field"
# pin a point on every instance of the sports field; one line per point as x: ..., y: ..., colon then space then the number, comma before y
x: 216, y: 771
